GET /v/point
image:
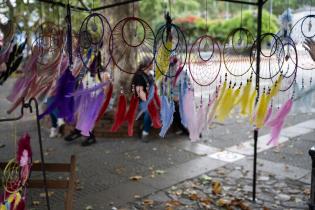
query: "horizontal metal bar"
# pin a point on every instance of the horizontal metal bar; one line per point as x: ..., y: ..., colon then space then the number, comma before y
x: 60, y: 4
x: 240, y: 2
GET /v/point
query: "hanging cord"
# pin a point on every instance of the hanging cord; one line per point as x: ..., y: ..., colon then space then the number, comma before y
x: 170, y: 7
x: 241, y: 16
x: 206, y: 12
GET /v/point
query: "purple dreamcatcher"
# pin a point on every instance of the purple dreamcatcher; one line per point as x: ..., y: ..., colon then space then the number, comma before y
x: 204, y: 60
x: 125, y: 46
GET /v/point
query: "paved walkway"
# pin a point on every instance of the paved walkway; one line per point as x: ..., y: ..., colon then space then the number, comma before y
x: 119, y: 172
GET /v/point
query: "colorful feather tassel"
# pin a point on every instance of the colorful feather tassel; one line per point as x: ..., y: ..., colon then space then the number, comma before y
x: 120, y: 113
x: 276, y: 86
x: 245, y: 98
x: 277, y: 122
x: 131, y: 114
x: 154, y: 114
x: 106, y: 103
x: 261, y: 111
x: 251, y: 104
x: 167, y: 115
x: 191, y: 114
x: 88, y: 110
x: 163, y: 59
x: 65, y: 105
x: 217, y: 102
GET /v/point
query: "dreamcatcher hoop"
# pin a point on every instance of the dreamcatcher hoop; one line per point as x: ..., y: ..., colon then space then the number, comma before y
x: 11, y: 177
x: 89, y: 41
x: 164, y: 37
x: 299, y: 35
x: 290, y: 59
x: 276, y: 54
x: 240, y: 52
x: 7, y: 36
x: 120, y: 45
x: 204, y: 64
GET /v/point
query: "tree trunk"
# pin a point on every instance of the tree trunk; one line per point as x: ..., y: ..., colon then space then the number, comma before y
x: 122, y: 79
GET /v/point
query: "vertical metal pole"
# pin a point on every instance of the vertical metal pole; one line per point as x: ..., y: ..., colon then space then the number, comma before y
x: 258, y: 42
x: 311, y: 204
x: 69, y: 34
x: 41, y: 150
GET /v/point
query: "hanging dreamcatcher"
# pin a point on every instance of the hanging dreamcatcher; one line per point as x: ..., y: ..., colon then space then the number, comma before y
x: 131, y: 41
x: 301, y: 31
x: 236, y: 52
x: 204, y: 60
x: 170, y: 44
x: 272, y: 56
x: 15, y: 177
x: 12, y: 45
x: 93, y: 49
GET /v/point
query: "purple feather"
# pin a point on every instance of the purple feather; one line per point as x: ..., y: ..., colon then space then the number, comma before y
x: 65, y: 105
x: 88, y: 90
x: 191, y: 114
x: 88, y: 111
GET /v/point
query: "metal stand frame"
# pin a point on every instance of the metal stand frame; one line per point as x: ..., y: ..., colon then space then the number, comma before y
x: 259, y: 4
x: 28, y: 105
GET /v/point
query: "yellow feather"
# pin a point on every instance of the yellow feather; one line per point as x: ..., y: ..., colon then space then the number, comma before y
x: 163, y: 59
x: 261, y: 111
x: 225, y: 104
x: 212, y: 111
x: 276, y: 86
x: 245, y: 98
x: 251, y: 105
x: 2, y: 207
x: 17, y: 200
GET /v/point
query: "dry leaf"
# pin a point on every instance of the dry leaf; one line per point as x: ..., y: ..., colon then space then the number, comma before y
x: 88, y: 207
x: 35, y: 203
x: 206, y: 201
x: 216, y: 187
x: 223, y: 202
x: 193, y: 197
x: 148, y: 202
x: 173, y: 203
x: 307, y: 191
x: 135, y: 178
x: 43, y: 195
x: 136, y: 196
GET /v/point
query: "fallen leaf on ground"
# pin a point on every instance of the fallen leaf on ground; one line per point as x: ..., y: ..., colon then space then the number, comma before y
x: 148, y: 202
x: 43, y: 195
x: 216, y: 187
x: 307, y: 191
x: 193, y: 197
x: 160, y: 172
x: 35, y: 203
x: 173, y: 203
x: 135, y: 178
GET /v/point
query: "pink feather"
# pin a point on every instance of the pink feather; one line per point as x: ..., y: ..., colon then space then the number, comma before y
x: 191, y: 115
x: 277, y: 122
x: 269, y: 112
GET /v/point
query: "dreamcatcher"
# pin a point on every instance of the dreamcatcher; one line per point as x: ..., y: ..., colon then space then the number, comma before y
x: 127, y: 48
x: 303, y: 34
x: 237, y: 49
x: 12, y: 45
x: 170, y: 44
x: 15, y: 177
x: 302, y: 30
x: 93, y: 37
